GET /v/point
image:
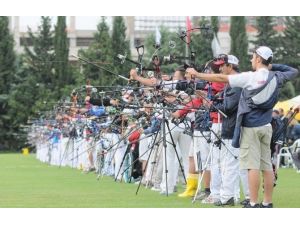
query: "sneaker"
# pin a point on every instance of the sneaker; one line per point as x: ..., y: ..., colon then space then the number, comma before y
x: 270, y: 205
x: 202, y: 195
x: 208, y: 200
x: 246, y: 201
x: 90, y: 169
x: 155, y: 188
x: 164, y: 192
x: 250, y: 206
x: 230, y: 202
x: 143, y: 183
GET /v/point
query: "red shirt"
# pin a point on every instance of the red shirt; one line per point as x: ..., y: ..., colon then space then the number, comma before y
x: 216, y: 88
x: 192, y: 106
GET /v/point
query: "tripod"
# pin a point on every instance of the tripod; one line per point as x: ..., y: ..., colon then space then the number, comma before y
x: 70, y: 145
x: 164, y: 125
x: 217, y: 143
x: 147, y: 162
x: 104, y: 143
x: 128, y: 156
x: 204, y: 169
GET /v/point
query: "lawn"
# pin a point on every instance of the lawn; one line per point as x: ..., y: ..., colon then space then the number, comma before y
x: 26, y: 182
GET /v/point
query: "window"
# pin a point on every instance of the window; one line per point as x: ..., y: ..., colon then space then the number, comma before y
x: 84, y: 41
x: 26, y: 41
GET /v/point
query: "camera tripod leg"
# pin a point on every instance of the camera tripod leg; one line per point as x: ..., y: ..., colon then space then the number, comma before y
x: 176, y: 152
x: 154, y: 162
x: 201, y: 175
x: 165, y: 124
x: 221, y: 142
x: 100, y: 162
x: 66, y: 151
x: 136, y: 159
x: 143, y: 173
x: 165, y: 149
x: 122, y: 162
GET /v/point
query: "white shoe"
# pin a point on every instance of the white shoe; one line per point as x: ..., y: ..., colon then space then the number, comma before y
x: 208, y: 200
x: 155, y: 188
x: 202, y: 195
x: 164, y: 192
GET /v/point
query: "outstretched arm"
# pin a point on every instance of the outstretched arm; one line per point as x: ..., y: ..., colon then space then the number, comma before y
x: 221, y: 78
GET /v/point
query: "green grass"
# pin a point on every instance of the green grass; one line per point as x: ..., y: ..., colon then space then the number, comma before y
x: 26, y: 182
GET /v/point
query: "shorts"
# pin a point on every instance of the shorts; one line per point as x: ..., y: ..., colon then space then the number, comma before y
x: 255, y: 152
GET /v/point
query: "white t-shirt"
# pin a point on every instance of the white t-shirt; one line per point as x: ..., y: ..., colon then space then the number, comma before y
x: 168, y: 85
x: 249, y: 80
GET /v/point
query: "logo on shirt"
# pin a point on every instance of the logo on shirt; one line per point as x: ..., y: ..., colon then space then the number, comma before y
x: 261, y: 82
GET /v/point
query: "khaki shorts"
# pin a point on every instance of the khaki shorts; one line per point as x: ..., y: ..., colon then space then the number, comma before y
x: 255, y: 152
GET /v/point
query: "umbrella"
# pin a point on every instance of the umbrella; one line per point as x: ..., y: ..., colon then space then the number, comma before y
x: 291, y: 103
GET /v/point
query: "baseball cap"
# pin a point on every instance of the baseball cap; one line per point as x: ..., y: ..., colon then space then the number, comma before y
x: 223, y: 58
x: 233, y: 60
x: 264, y: 52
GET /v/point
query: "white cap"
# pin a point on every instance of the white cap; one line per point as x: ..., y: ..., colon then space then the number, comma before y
x: 233, y: 60
x: 264, y: 52
x: 223, y: 58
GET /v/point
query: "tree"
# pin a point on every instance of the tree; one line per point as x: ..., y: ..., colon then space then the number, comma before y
x: 201, y: 44
x: 266, y: 35
x: 40, y: 57
x: 61, y: 50
x: 100, y: 53
x: 34, y: 81
x: 215, y: 24
x: 120, y: 45
x: 290, y: 51
x: 22, y: 102
x: 239, y: 41
x: 7, y: 71
x: 39, y: 60
x: 287, y: 92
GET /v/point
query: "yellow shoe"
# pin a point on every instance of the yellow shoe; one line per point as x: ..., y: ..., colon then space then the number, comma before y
x: 191, y: 186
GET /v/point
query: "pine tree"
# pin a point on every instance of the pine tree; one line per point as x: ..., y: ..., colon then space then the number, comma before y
x: 239, y: 41
x: 34, y: 82
x: 40, y: 58
x: 287, y: 92
x: 100, y: 53
x: 201, y: 44
x: 40, y: 62
x: 266, y: 35
x: 120, y: 45
x: 61, y: 50
x: 290, y: 51
x: 215, y: 24
x: 22, y: 102
x: 7, y: 71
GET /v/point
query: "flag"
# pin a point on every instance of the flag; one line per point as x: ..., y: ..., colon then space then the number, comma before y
x: 215, y: 46
x: 188, y: 28
x: 157, y: 37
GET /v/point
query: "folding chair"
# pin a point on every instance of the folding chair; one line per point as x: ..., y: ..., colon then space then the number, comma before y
x: 286, y: 154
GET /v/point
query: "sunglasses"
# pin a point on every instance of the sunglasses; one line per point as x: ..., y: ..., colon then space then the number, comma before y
x: 223, y: 57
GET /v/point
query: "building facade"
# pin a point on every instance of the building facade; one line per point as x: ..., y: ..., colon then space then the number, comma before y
x: 138, y: 28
